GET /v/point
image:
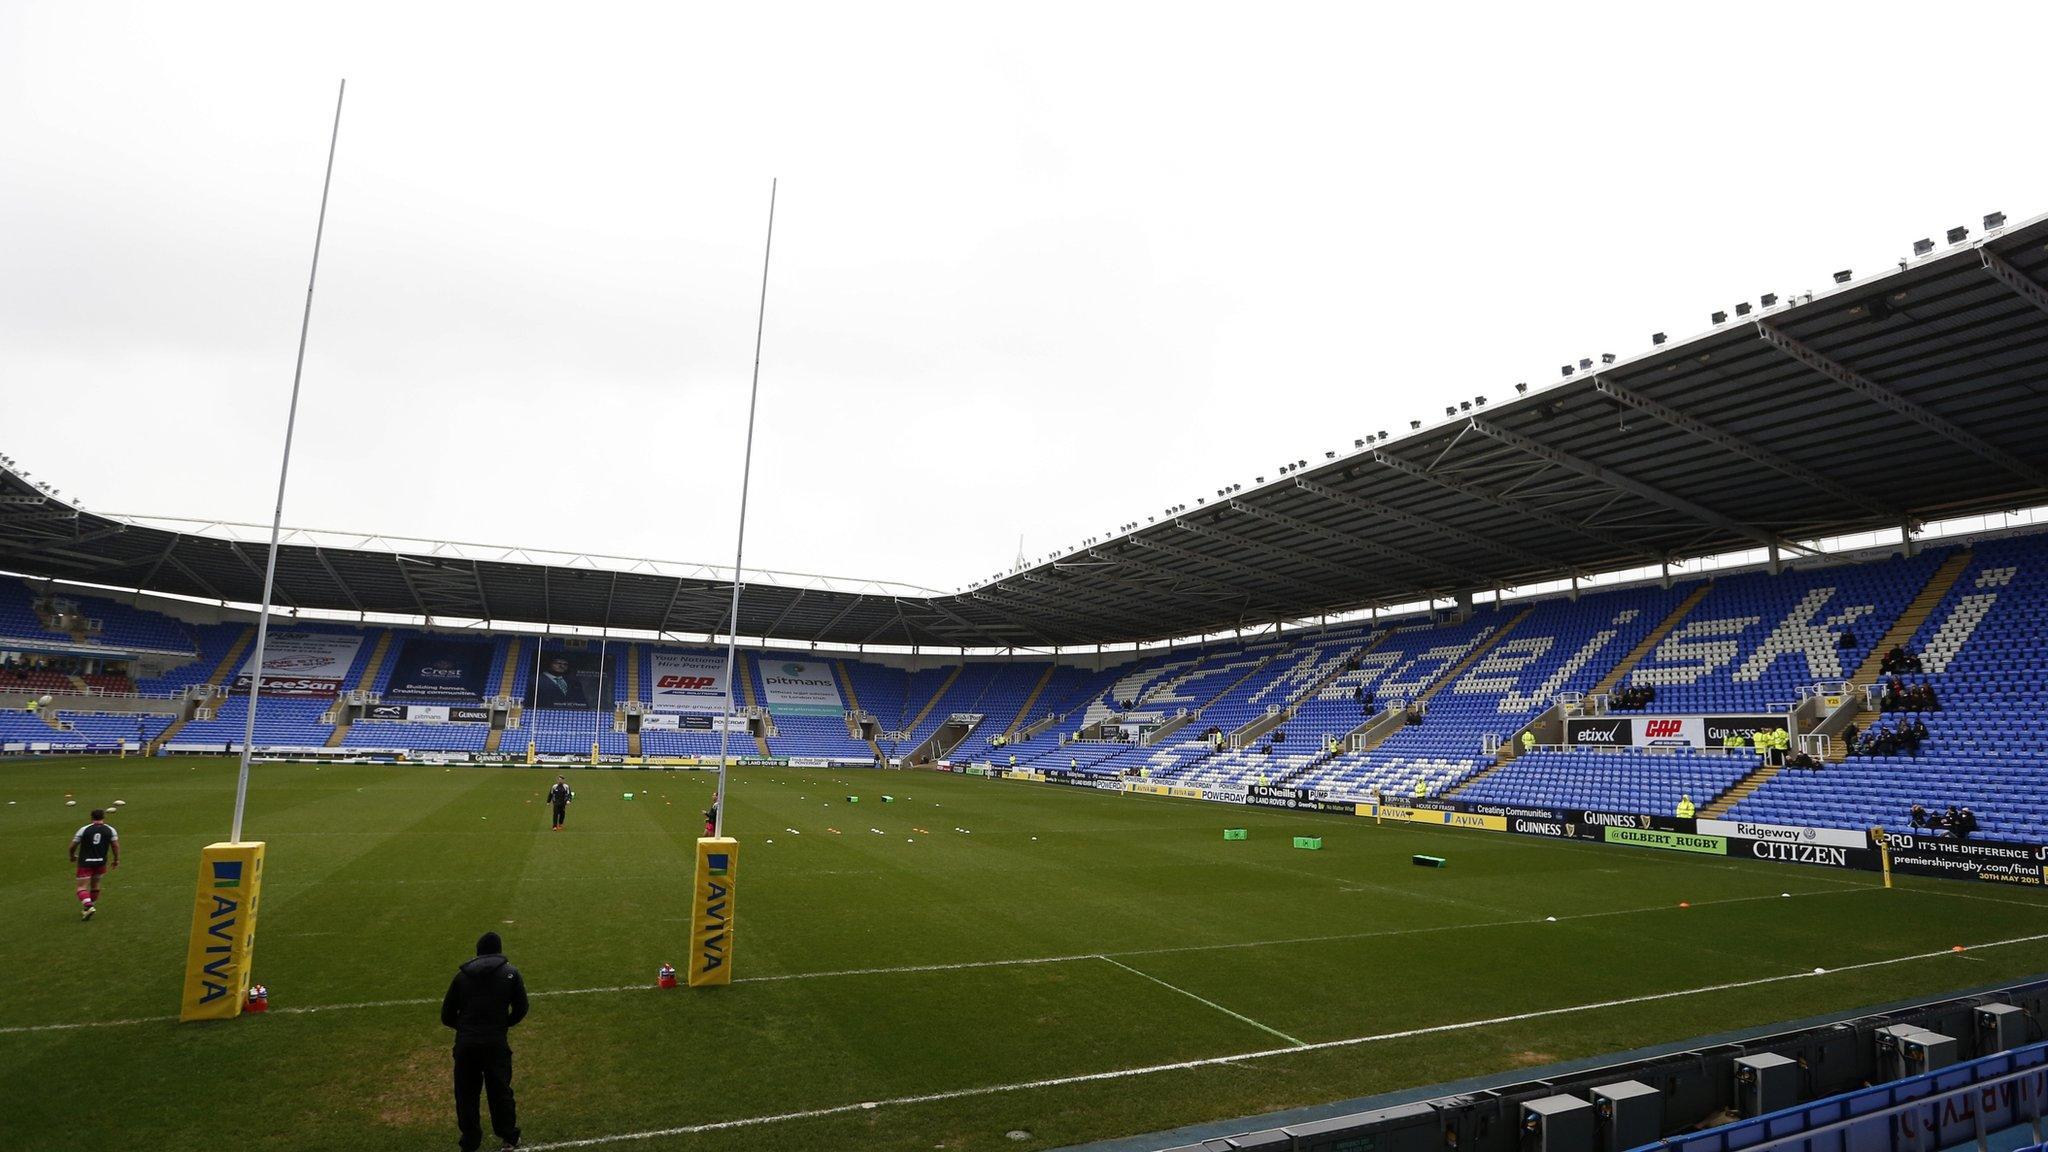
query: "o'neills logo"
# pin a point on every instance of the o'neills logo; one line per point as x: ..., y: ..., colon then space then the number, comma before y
x: 1614, y: 820
x: 1800, y: 853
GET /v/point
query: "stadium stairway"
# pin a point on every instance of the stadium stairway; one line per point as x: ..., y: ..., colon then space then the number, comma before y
x: 1915, y: 615
x: 372, y: 669
x: 1719, y: 806
x: 1479, y: 650
x: 1381, y: 726
x: 229, y: 661
x: 750, y: 667
x: 1650, y: 642
x: 944, y: 687
x: 1871, y: 671
x: 845, y: 676
x: 496, y: 739
x: 1030, y: 702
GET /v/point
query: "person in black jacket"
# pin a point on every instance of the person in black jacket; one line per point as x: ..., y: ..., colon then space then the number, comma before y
x: 486, y: 998
x: 558, y: 799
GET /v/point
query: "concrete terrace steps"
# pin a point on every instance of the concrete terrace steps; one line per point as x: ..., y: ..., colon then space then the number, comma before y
x: 945, y: 687
x: 496, y: 738
x: 372, y: 668
x: 1916, y: 614
x: 1740, y: 791
x: 230, y: 661
x: 1924, y: 603
x: 1649, y: 643
x: 1024, y: 713
x: 845, y: 678
x: 1478, y: 650
x: 750, y: 666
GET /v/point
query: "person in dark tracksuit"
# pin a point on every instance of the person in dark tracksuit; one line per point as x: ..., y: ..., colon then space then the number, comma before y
x: 558, y: 797
x: 486, y: 998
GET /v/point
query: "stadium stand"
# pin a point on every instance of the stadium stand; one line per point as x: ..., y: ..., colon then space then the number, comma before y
x: 1983, y: 655
x: 1297, y: 709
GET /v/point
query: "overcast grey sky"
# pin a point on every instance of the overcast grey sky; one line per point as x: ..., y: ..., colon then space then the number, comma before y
x: 1039, y: 269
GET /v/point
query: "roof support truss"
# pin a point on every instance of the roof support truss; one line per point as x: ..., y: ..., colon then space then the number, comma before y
x: 1871, y: 390
x: 1448, y: 531
x: 1350, y: 540
x: 1615, y: 480
x: 2014, y: 279
x: 1747, y: 449
x: 1519, y: 507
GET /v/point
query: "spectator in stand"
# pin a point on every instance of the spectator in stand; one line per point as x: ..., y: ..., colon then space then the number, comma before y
x: 1894, y: 660
x: 1918, y: 816
x: 1846, y: 640
x: 1849, y: 735
x: 1951, y: 818
x: 1964, y: 825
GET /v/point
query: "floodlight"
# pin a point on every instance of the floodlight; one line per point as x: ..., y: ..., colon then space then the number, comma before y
x: 1358, y: 443
x: 1607, y: 357
x: 1922, y: 246
x: 1450, y: 410
x: 1522, y: 388
x: 1479, y: 400
x: 1329, y: 455
x: 1720, y: 317
x: 1769, y: 300
x: 1958, y: 235
x: 1414, y: 424
x: 1742, y: 309
x: 1844, y: 276
x: 1658, y: 338
x: 1565, y: 368
x: 1585, y: 364
x: 1383, y: 435
x: 1465, y: 404
x: 1995, y: 220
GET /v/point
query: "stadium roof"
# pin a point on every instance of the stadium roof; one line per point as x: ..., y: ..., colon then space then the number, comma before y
x: 1914, y: 395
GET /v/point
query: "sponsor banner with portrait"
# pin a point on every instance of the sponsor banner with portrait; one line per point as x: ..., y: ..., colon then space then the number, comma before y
x: 440, y: 668
x: 687, y: 681
x: 573, y: 678
x: 800, y: 687
x: 302, y: 664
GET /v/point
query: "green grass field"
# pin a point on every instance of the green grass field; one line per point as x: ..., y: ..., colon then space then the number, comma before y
x: 966, y: 983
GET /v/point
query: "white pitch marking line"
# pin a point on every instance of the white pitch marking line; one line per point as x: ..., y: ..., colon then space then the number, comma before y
x: 1201, y: 1000
x: 411, y: 1002
x: 1211, y: 1061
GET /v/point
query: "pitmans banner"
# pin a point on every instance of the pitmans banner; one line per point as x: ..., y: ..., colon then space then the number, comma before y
x: 302, y: 664
x: 800, y: 687
x: 437, y: 668
x: 688, y: 681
